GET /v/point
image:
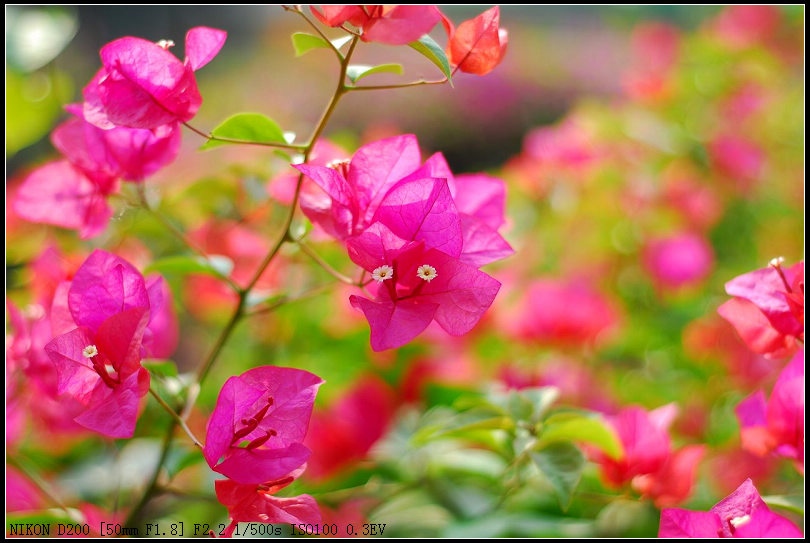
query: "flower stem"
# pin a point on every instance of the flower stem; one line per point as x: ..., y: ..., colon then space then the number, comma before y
x: 176, y: 417
x: 310, y: 252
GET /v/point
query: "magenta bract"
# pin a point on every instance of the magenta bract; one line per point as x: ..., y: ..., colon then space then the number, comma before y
x: 267, y: 409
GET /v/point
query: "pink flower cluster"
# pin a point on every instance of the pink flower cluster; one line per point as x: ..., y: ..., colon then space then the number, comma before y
x: 254, y: 437
x: 418, y: 230
x: 127, y: 128
x: 106, y: 320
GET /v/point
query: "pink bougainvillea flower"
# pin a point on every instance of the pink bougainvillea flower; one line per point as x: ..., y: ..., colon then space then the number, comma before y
x: 106, y: 155
x: 655, y: 50
x: 60, y: 194
x: 256, y: 503
x: 106, y: 284
x: 142, y: 85
x: 282, y: 186
x: 741, y: 514
x: 267, y: 409
x: 22, y: 494
x: 478, y: 45
x: 679, y: 260
x: 345, y: 432
x: 394, y: 25
x: 386, y: 182
x: 564, y: 313
x: 73, y: 193
x: 777, y: 425
x: 744, y: 26
x: 739, y: 160
x: 648, y: 462
x: 416, y: 286
x: 100, y: 369
x: 768, y: 308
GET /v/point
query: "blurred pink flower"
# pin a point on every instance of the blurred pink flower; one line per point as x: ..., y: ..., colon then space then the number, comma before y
x: 679, y: 260
x: 649, y: 463
x: 142, y: 85
x: 746, y: 25
x: 776, y: 425
x: 560, y: 312
x: 741, y: 514
x: 738, y: 159
x: 655, y: 47
x: 269, y: 408
x: 345, y: 432
x: 391, y: 24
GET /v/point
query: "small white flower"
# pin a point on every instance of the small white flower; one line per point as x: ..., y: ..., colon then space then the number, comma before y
x: 776, y: 262
x: 90, y: 351
x: 165, y: 44
x: 739, y: 521
x: 427, y: 272
x: 383, y: 273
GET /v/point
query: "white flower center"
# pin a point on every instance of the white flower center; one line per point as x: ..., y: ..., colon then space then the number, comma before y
x: 739, y: 521
x: 90, y: 351
x: 383, y: 273
x: 427, y: 272
x: 776, y: 262
x: 165, y: 44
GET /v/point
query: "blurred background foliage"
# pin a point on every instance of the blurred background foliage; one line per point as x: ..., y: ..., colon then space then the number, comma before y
x: 619, y: 167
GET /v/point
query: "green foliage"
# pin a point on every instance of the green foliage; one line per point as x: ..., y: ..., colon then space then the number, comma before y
x: 252, y: 127
x: 428, y: 48
x: 356, y: 72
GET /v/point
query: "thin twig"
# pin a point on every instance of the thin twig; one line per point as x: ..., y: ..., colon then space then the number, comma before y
x: 310, y: 252
x: 38, y: 481
x: 287, y: 298
x: 397, y: 86
x: 276, y: 144
x: 176, y: 417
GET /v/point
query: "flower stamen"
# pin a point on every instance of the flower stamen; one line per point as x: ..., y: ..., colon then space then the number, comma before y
x: 90, y: 351
x: 383, y: 273
x: 426, y: 272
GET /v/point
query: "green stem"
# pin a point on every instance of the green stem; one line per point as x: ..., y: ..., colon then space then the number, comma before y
x: 176, y: 417
x: 419, y: 83
x: 310, y: 252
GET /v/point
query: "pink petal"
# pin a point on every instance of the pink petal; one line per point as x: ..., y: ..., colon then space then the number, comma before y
x: 422, y: 210
x: 478, y: 45
x: 462, y: 292
x: 336, y: 15
x: 162, y: 333
x: 739, y: 503
x: 145, y: 86
x: 482, y: 244
x: 754, y: 328
x: 61, y: 319
x: 336, y: 214
x: 481, y: 196
x: 103, y: 286
x: 259, y: 465
x: 82, y: 144
x: 59, y: 194
x: 401, y: 25
x: 766, y: 523
x: 376, y: 246
x: 378, y: 166
x: 75, y: 375
x: 203, y: 44
x: 751, y: 411
x: 764, y: 288
x: 119, y: 339
x: 682, y: 523
x: 394, y: 324
x: 115, y: 414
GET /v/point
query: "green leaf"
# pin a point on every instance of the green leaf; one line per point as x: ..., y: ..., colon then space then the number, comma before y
x: 788, y: 502
x: 216, y: 265
x: 182, y: 459
x: 562, y: 463
x: 463, y: 424
x: 428, y: 48
x: 253, y: 127
x: 304, y: 42
x: 357, y: 72
x: 164, y: 368
x: 580, y: 429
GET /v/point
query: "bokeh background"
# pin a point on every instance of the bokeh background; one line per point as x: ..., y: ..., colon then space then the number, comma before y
x: 651, y: 154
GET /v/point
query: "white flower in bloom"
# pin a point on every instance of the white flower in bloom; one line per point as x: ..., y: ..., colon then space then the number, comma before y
x: 90, y: 351
x: 775, y: 262
x: 382, y: 273
x: 427, y: 272
x: 165, y: 44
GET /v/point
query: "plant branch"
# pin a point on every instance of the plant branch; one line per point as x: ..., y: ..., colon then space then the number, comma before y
x: 419, y: 83
x: 176, y: 417
x: 317, y: 29
x: 310, y: 252
x: 152, y: 487
x: 275, y: 144
x: 38, y: 481
x: 287, y: 298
